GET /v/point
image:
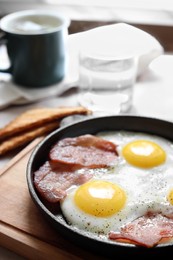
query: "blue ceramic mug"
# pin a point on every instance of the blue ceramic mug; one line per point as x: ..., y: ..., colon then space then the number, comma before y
x: 36, y: 46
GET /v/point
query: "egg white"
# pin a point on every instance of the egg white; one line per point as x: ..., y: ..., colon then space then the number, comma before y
x: 146, y: 189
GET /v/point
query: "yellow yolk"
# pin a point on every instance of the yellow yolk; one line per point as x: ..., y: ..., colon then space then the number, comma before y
x: 144, y: 154
x: 170, y: 197
x: 100, y: 198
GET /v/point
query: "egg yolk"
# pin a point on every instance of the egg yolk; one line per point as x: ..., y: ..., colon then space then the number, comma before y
x: 144, y: 154
x: 170, y: 197
x: 100, y: 198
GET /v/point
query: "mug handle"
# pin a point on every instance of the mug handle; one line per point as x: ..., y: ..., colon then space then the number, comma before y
x: 3, y: 41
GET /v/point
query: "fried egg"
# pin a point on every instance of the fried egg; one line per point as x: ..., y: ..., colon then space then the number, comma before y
x: 144, y: 153
x: 140, y: 182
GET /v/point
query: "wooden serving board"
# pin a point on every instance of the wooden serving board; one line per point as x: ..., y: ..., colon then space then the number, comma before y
x: 23, y: 229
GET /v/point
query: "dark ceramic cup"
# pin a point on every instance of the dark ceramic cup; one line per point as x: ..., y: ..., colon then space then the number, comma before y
x: 36, y: 45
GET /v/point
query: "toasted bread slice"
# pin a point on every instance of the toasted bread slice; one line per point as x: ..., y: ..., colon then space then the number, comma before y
x: 25, y: 137
x: 38, y: 117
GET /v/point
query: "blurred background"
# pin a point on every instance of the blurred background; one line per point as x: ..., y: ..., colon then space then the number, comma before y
x: 153, y: 16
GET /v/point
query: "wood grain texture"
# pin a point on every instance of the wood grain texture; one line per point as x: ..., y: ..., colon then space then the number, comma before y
x: 22, y: 227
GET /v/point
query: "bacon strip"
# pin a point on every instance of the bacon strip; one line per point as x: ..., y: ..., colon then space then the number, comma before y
x: 84, y: 151
x: 52, y: 180
x: 55, y: 176
x: 146, y: 231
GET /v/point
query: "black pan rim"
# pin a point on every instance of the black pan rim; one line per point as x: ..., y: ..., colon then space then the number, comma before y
x: 165, y: 129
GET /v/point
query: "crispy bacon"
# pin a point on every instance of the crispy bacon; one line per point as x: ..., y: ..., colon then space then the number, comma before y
x: 55, y: 176
x: 84, y: 151
x: 52, y: 180
x: 146, y: 231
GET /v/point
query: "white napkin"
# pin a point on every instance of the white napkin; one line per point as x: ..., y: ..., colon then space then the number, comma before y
x: 119, y: 38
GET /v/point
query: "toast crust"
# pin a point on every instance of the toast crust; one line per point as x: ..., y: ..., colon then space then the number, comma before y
x: 34, y: 123
x: 38, y: 117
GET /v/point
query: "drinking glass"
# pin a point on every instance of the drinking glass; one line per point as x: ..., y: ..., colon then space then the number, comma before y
x: 106, y: 82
